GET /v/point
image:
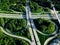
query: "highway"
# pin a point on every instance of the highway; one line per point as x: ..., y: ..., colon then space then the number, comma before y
x: 15, y: 36
x: 21, y: 16
x: 56, y: 13
x: 33, y: 33
x: 28, y: 24
x: 52, y: 5
x: 49, y: 39
x: 57, y: 16
x: 37, y: 41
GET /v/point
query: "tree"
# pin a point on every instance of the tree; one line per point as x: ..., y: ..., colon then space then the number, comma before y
x: 45, y: 26
x: 2, y: 22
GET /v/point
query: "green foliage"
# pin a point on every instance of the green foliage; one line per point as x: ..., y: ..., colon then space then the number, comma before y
x: 6, y: 40
x: 17, y: 24
x: 19, y: 5
x: 45, y: 26
x: 2, y: 22
x: 47, y: 10
x: 16, y: 27
x: 8, y: 4
x: 35, y: 7
x: 42, y: 38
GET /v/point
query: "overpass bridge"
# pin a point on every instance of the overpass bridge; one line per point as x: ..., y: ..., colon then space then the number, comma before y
x: 34, y: 16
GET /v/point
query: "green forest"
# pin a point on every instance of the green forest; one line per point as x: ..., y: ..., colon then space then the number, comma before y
x: 46, y: 27
x: 19, y: 26
x: 16, y: 27
x: 35, y: 5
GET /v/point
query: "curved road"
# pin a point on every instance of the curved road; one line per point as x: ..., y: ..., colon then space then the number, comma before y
x: 32, y: 25
x: 28, y: 22
x: 55, y: 13
x: 20, y: 37
x: 49, y: 39
x: 48, y: 34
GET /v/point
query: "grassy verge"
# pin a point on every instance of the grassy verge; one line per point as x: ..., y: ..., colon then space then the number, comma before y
x: 42, y: 38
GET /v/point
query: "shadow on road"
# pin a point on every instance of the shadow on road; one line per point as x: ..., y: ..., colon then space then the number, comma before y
x: 24, y: 15
x: 51, y: 17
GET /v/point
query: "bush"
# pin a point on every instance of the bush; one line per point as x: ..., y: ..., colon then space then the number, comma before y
x: 35, y: 7
x: 45, y: 26
x: 6, y: 40
x: 16, y: 27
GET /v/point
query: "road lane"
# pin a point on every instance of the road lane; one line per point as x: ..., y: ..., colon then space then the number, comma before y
x: 28, y: 23
x: 14, y: 16
x: 15, y: 36
x: 49, y: 39
x: 33, y: 28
